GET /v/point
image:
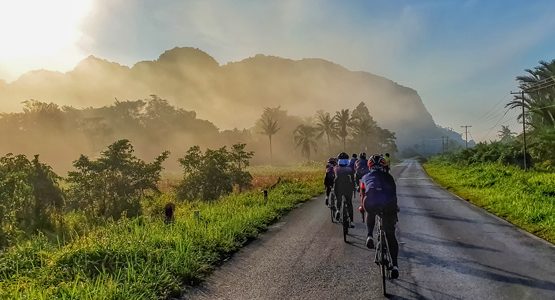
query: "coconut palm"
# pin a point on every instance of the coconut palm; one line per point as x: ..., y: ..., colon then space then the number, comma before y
x: 326, y: 125
x: 364, y: 132
x: 505, y: 134
x: 539, y: 97
x: 269, y: 125
x: 305, y: 138
x: 343, y: 119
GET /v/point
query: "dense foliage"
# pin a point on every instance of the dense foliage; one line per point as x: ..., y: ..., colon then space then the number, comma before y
x: 113, y: 185
x: 539, y: 101
x: 30, y: 197
x: 213, y: 173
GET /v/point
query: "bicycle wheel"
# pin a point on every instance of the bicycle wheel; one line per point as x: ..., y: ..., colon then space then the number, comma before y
x: 383, y: 278
x: 332, y: 206
x: 344, y: 218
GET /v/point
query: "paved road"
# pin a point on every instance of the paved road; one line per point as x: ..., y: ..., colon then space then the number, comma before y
x: 449, y: 250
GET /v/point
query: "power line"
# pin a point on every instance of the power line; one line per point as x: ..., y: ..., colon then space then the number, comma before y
x: 492, y: 109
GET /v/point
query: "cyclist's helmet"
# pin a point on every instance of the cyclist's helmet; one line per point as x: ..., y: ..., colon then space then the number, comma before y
x: 387, y: 155
x: 343, y: 159
x: 376, y: 161
x: 332, y: 161
x: 354, y: 155
x: 362, y: 155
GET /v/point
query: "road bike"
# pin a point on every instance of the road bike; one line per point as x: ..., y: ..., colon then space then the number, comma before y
x: 383, y: 256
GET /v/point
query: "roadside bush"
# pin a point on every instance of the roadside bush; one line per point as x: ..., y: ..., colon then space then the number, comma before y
x: 211, y: 174
x: 29, y: 197
x: 113, y: 185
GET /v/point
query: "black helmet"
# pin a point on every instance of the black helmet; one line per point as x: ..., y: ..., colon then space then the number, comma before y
x: 354, y: 155
x: 343, y: 155
x: 362, y: 155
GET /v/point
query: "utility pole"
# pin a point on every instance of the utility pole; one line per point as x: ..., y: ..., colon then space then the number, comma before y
x: 466, y: 134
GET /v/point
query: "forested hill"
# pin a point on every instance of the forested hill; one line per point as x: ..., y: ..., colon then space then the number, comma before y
x: 230, y: 95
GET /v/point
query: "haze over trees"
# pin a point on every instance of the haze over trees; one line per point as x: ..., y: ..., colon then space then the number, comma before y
x: 231, y: 95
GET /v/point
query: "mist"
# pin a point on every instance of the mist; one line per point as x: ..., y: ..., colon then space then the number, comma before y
x: 187, y: 98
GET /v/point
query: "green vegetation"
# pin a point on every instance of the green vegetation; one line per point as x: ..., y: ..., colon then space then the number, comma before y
x: 526, y: 199
x: 143, y: 257
x: 210, y: 175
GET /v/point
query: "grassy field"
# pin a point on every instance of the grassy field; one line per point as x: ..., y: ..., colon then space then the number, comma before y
x: 144, y: 258
x: 526, y: 199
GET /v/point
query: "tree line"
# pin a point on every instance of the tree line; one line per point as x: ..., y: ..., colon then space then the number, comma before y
x: 154, y: 125
x: 326, y: 133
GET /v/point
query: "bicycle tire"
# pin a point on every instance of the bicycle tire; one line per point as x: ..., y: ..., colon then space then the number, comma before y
x: 344, y: 219
x: 332, y: 205
x: 383, y: 279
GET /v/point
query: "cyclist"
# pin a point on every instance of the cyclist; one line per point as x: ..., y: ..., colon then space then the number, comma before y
x: 361, y: 167
x: 352, y: 162
x: 388, y: 162
x: 379, y: 193
x: 329, y: 178
x: 343, y: 186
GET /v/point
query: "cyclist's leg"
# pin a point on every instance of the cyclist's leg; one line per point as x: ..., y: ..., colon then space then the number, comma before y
x: 389, y: 227
x: 338, y: 203
x: 370, y: 220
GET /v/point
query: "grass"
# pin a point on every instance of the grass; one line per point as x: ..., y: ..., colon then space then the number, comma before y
x: 143, y: 258
x: 526, y: 199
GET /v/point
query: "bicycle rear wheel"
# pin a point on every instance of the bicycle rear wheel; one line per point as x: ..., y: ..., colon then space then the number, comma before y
x: 383, y: 278
x: 344, y: 218
x: 332, y: 206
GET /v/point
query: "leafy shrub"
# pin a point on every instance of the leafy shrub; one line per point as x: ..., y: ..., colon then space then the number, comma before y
x: 29, y: 196
x: 212, y: 174
x: 113, y: 185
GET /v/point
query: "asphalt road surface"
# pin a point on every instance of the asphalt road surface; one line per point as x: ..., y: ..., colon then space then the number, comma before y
x: 449, y: 249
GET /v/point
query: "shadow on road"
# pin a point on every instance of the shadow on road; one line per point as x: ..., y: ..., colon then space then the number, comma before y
x: 430, y: 239
x: 469, y: 267
x: 411, y: 288
x: 410, y: 212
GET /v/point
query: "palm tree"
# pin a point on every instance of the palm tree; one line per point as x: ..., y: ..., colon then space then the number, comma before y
x: 364, y: 132
x: 305, y: 138
x: 326, y: 125
x: 505, y: 134
x: 269, y: 126
x: 343, y: 119
x: 539, y: 96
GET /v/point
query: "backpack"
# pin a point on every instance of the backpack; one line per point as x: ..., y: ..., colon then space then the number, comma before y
x: 380, y: 191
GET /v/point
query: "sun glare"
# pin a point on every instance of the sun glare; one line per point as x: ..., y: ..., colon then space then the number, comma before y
x: 39, y: 30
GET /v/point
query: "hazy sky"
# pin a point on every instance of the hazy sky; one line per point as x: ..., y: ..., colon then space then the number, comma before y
x: 461, y: 56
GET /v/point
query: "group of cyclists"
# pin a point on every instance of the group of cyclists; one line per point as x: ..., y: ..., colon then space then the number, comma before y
x: 370, y: 177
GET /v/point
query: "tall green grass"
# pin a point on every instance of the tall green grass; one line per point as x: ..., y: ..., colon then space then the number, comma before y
x: 143, y: 258
x: 526, y: 199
